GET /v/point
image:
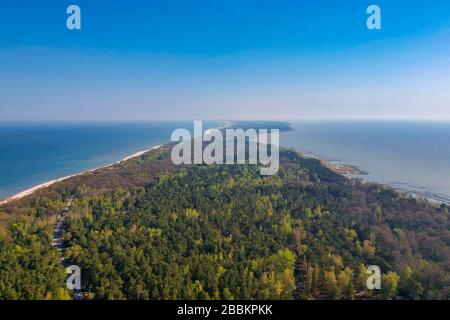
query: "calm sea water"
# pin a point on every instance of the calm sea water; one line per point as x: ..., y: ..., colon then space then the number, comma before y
x: 412, y: 156
x: 31, y: 154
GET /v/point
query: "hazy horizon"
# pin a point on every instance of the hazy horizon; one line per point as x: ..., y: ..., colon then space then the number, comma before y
x: 212, y: 60
x: 291, y: 121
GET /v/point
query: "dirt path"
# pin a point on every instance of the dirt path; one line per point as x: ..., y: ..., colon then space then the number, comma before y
x: 58, y: 242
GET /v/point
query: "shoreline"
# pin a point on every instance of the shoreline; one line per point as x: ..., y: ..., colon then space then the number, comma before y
x: 347, y: 170
x: 32, y: 190
x: 354, y: 172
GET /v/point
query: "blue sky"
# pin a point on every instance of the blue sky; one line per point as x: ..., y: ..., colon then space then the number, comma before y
x: 220, y: 59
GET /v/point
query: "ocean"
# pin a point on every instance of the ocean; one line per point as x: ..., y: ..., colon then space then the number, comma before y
x: 411, y: 156
x: 34, y: 153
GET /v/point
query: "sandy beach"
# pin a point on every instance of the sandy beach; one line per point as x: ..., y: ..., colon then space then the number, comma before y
x: 47, y: 184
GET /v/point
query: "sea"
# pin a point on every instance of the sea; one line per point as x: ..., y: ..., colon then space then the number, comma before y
x: 34, y: 153
x: 413, y: 157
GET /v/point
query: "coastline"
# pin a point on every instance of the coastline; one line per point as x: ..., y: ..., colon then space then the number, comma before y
x: 354, y: 172
x: 349, y: 171
x: 47, y: 184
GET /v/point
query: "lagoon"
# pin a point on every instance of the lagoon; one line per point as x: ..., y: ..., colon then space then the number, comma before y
x: 410, y: 156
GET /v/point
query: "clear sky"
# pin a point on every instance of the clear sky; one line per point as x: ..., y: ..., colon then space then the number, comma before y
x: 224, y: 59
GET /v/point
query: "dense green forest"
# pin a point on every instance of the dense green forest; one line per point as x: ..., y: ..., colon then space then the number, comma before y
x: 146, y: 229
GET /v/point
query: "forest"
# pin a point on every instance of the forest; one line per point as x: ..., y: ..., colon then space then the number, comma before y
x: 147, y: 229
